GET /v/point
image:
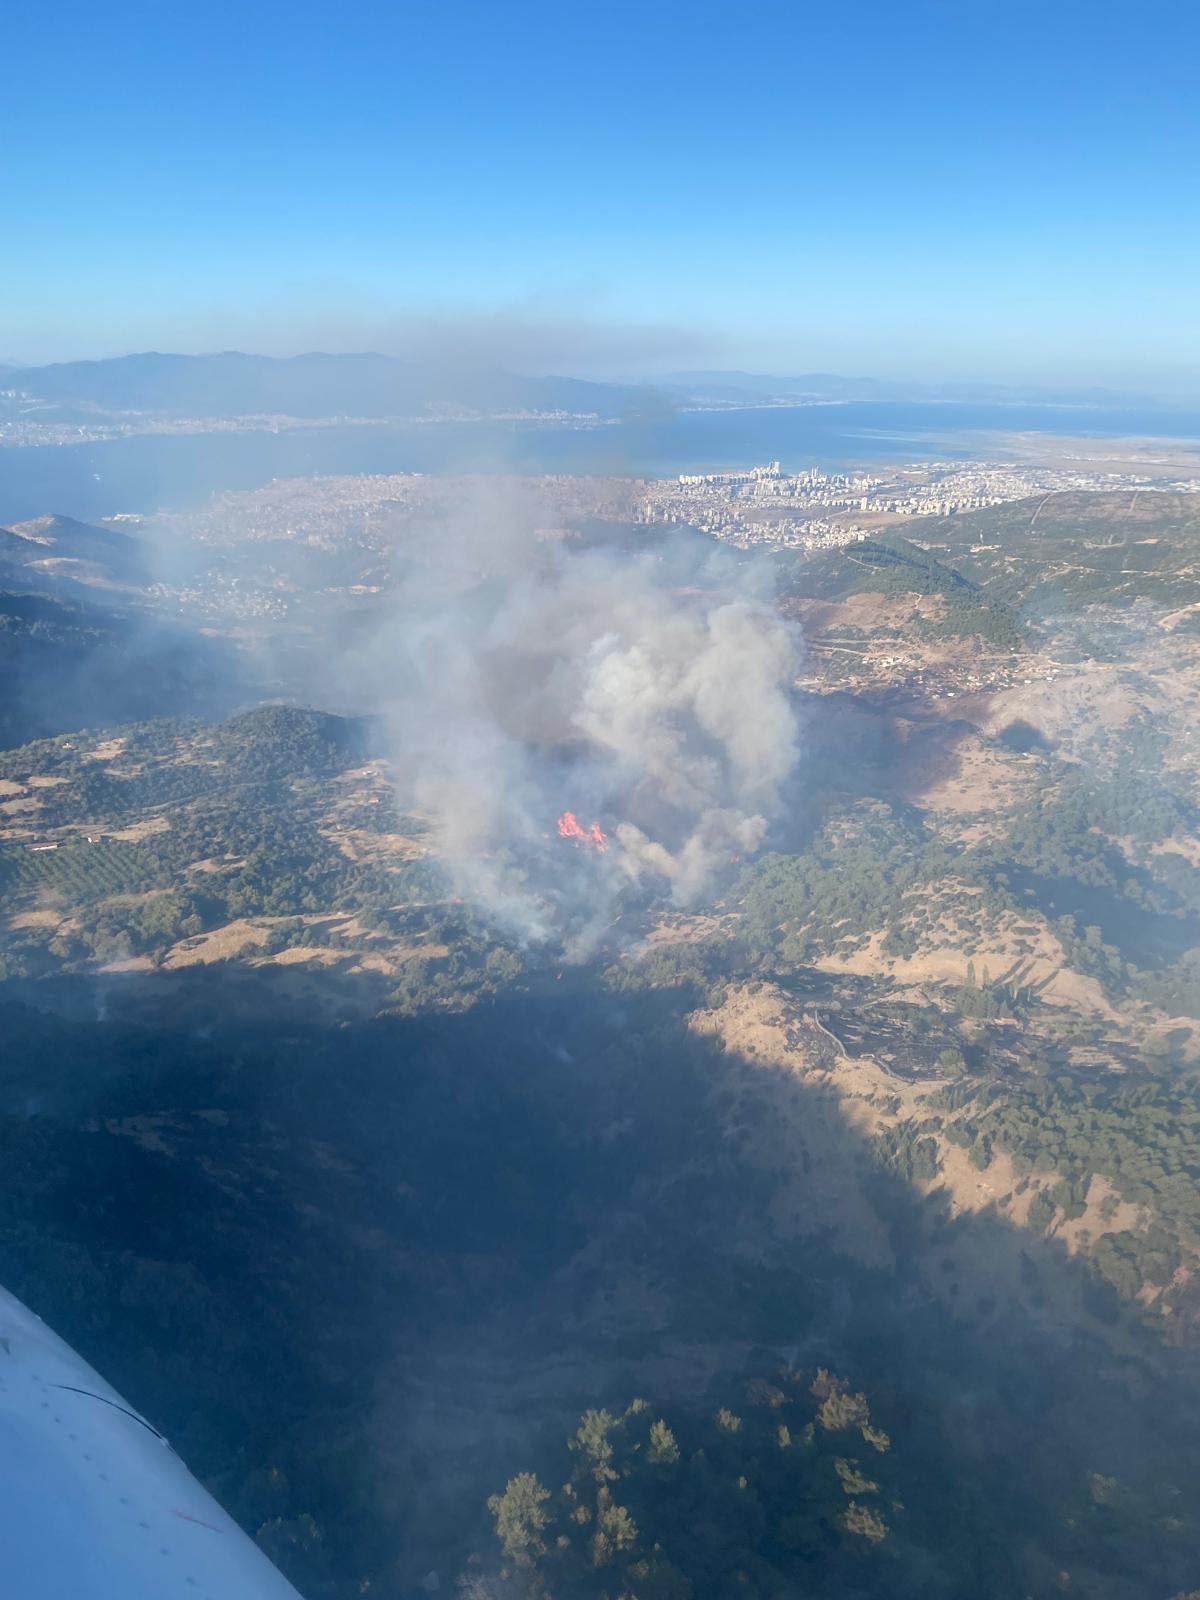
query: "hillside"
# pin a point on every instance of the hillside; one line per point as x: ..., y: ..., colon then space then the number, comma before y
x: 1004, y: 945
x: 830, y: 1191
x: 67, y: 663
x: 1066, y: 551
x: 56, y: 547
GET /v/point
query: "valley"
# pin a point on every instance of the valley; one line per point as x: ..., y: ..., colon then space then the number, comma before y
x: 908, y: 1094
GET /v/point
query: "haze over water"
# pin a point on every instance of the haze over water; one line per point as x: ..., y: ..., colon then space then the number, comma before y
x: 145, y: 472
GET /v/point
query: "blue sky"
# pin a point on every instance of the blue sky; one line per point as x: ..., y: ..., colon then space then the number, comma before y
x: 922, y: 189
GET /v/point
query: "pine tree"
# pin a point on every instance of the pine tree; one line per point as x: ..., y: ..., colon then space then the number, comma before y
x: 521, y: 1517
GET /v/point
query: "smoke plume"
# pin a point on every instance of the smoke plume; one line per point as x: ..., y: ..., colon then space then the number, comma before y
x: 581, y: 713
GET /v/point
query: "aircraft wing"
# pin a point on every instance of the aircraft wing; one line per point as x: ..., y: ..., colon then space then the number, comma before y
x: 94, y: 1503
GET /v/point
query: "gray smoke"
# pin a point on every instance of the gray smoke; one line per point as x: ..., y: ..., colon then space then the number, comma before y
x: 642, y: 685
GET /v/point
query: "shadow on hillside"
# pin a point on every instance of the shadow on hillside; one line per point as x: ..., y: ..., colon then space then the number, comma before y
x: 368, y: 1269
x: 886, y: 746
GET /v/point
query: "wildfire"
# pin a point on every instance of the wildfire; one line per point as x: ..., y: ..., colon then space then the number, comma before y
x: 569, y: 827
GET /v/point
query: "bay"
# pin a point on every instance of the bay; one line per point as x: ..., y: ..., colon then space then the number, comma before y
x: 148, y: 471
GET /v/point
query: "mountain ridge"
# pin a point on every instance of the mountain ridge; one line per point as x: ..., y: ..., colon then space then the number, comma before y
x: 372, y: 385
x: 314, y: 384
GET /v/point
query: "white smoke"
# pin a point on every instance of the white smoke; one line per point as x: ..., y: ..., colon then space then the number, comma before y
x: 644, y: 686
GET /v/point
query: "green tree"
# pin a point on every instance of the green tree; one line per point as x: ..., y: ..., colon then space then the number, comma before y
x: 853, y: 1480
x: 616, y: 1531
x: 521, y: 1517
x: 593, y: 1442
x: 951, y: 1063
x: 839, y: 1408
x: 663, y: 1450
x: 864, y: 1522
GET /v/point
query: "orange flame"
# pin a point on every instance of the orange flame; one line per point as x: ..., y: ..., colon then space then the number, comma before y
x: 569, y: 828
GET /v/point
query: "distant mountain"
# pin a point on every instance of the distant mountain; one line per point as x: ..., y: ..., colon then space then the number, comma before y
x: 313, y: 385
x: 233, y: 384
x: 753, y: 388
x: 734, y: 386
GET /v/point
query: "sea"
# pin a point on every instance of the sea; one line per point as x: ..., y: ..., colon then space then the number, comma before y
x: 149, y: 472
